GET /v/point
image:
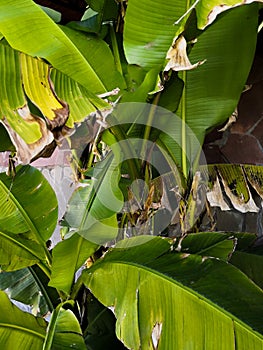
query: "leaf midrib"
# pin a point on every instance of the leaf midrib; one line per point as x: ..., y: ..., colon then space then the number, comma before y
x: 23, y: 329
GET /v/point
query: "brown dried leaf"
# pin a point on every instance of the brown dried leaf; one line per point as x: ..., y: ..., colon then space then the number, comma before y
x: 177, y: 56
x: 215, y: 197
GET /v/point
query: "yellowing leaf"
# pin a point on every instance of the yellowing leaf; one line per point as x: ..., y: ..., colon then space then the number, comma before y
x: 28, y: 133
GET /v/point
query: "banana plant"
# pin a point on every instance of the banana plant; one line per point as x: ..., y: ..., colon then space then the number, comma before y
x: 147, y: 81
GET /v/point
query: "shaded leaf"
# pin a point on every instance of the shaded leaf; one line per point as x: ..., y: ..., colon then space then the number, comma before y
x: 209, y: 244
x: 29, y: 286
x: 250, y: 264
x: 6, y: 143
x: 100, y: 333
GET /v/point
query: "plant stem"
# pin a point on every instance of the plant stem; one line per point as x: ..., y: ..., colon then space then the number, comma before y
x: 148, y: 126
x: 115, y: 49
x: 183, y: 130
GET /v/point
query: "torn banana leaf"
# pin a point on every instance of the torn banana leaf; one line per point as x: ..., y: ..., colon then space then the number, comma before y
x: 207, y: 11
x: 27, y: 78
x: 234, y: 182
x: 173, y: 299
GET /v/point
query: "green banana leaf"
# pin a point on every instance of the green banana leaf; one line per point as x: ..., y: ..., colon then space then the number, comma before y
x: 91, y: 221
x: 220, y: 79
x: 19, y: 329
x: 68, y: 256
x: 149, y: 31
x: 174, y: 300
x: 148, y: 38
x: 30, y: 286
x: 251, y: 264
x: 16, y: 22
x: 6, y: 143
x: 28, y: 217
x: 207, y: 11
x: 63, y: 331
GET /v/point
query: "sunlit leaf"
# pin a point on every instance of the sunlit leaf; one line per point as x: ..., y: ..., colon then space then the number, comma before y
x: 63, y: 331
x: 19, y: 329
x: 203, y: 314
x: 68, y: 256
x: 28, y: 217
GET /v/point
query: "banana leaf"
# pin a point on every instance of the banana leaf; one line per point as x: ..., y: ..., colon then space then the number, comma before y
x: 68, y: 256
x: 19, y: 329
x: 250, y: 263
x: 16, y: 22
x: 90, y: 219
x: 28, y: 217
x: 220, y: 82
x: 207, y: 11
x: 236, y: 182
x: 30, y: 287
x: 174, y: 299
x: 63, y: 331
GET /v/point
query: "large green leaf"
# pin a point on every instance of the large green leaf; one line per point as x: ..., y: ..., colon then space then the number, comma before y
x: 174, y: 300
x: 149, y: 30
x: 212, y: 90
x: 68, y: 256
x: 149, y: 33
x: 63, y: 331
x: 28, y: 217
x: 16, y: 22
x: 99, y: 56
x: 19, y: 329
x: 92, y: 209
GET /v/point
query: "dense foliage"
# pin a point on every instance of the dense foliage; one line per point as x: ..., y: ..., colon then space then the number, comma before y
x: 133, y: 88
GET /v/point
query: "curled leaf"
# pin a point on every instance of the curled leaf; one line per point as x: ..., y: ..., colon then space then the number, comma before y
x: 177, y: 56
x: 207, y: 12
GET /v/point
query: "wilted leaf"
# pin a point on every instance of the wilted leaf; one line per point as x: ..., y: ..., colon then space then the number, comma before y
x: 235, y: 181
x: 177, y: 56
